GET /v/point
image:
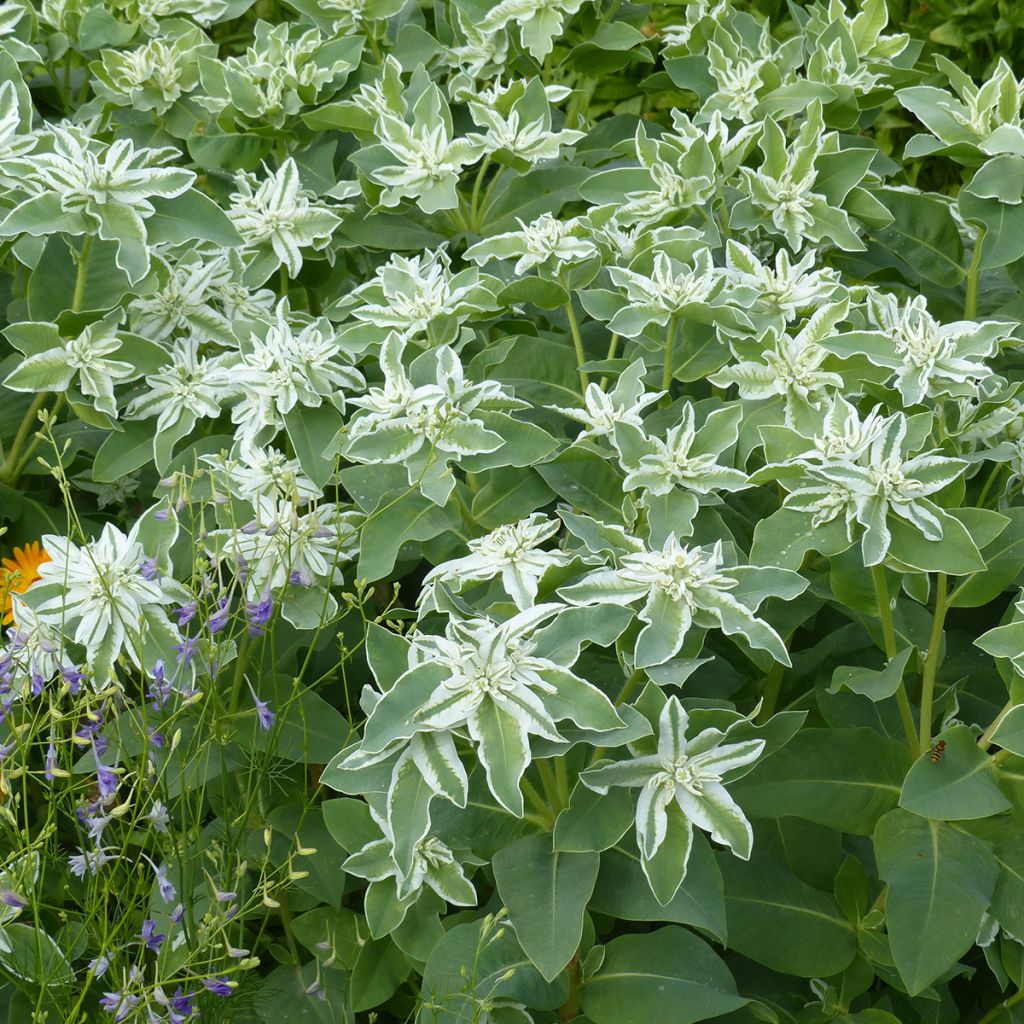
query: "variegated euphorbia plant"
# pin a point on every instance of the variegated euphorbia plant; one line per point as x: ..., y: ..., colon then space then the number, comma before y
x: 510, y: 511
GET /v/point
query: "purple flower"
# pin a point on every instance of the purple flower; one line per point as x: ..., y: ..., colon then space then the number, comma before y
x: 156, y: 738
x: 162, y: 515
x: 12, y: 899
x: 159, y: 692
x: 38, y: 683
x: 100, y: 964
x: 120, y: 1004
x: 51, y: 763
x: 164, y: 884
x: 177, y: 914
x: 150, y: 937
x: 257, y: 613
x: 73, y: 678
x: 88, y: 860
x: 218, y: 986
x: 180, y: 1007
x: 263, y: 713
x: 186, y: 649
x: 219, y: 619
x: 186, y: 613
x: 106, y: 781
x: 148, y: 569
x: 300, y: 577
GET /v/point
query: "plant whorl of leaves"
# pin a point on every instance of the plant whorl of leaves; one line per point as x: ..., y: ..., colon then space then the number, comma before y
x: 511, y: 512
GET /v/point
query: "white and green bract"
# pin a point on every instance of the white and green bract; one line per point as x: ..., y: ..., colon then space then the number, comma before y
x: 879, y: 481
x: 484, y: 679
x: 433, y: 865
x: 100, y: 596
x: 279, y: 214
x: 512, y: 553
x: 681, y: 588
x: 683, y: 781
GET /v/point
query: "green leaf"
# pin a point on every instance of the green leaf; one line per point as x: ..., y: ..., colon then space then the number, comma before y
x: 622, y: 890
x: 587, y: 482
x: 665, y: 977
x: 1004, y: 560
x: 124, y: 451
x: 51, y: 288
x: 784, y: 537
x: 940, y: 883
x: 509, y: 495
x: 958, y: 785
x: 1004, y: 229
x: 1000, y: 178
x: 844, y: 778
x: 190, y: 217
x: 539, y: 291
x: 1009, y: 733
x: 396, y: 520
x: 311, y: 431
x: 782, y: 922
x: 592, y: 821
x: 924, y: 235
x: 876, y: 685
x: 546, y: 893
x: 470, y: 964
x: 378, y: 972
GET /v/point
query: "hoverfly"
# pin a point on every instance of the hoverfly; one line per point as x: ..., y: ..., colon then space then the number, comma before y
x: 935, y: 754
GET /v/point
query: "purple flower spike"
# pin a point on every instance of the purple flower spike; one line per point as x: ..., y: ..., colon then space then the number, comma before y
x: 218, y: 986
x: 257, y: 613
x: 150, y: 937
x: 263, y: 713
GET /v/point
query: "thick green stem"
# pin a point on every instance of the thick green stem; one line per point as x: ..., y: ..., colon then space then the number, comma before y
x: 577, y: 341
x: 931, y: 663
x: 985, y: 739
x: 666, y: 373
x: 973, y: 275
x: 8, y: 472
x: 474, y: 205
x: 772, y: 689
x: 997, y: 1011
x: 613, y: 347
x: 569, y: 1010
x: 889, y: 639
x: 83, y: 266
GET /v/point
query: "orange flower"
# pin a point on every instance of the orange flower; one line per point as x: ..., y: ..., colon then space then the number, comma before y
x: 18, y: 573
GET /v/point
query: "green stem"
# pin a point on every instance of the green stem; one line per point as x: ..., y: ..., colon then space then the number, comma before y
x: 83, y: 264
x: 931, y: 663
x: 613, y: 347
x: 569, y: 1010
x: 992, y: 477
x: 537, y: 801
x: 577, y: 341
x: 985, y: 739
x: 772, y: 689
x: 889, y: 638
x: 550, y: 784
x: 474, y: 205
x: 973, y: 275
x: 666, y: 374
x: 9, y: 470
x: 995, y: 1013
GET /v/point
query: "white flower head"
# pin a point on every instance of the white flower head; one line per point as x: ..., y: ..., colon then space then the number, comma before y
x: 104, y: 591
x: 280, y: 213
x: 511, y: 552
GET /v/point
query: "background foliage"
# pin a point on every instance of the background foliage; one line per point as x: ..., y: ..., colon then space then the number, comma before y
x: 512, y: 511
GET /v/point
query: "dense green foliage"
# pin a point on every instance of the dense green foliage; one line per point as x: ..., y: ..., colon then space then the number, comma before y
x: 511, y: 512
